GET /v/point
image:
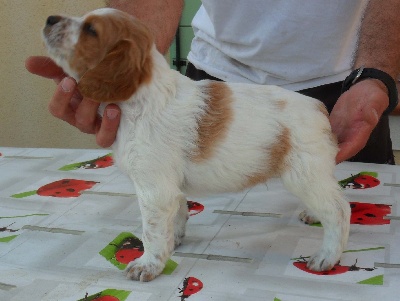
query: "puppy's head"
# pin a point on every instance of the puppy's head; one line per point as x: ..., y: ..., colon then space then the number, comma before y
x: 107, y: 51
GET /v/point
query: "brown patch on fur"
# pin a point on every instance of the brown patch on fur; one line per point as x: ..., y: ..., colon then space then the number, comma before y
x: 146, y: 277
x: 115, y: 61
x: 332, y: 137
x: 322, y: 109
x: 281, y: 104
x: 213, y: 125
x: 276, y: 162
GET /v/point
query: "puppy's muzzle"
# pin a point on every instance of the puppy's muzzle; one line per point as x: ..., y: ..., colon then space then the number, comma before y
x: 52, y: 20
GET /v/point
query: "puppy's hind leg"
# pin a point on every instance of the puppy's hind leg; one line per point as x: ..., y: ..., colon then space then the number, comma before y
x: 319, y: 190
x: 180, y: 221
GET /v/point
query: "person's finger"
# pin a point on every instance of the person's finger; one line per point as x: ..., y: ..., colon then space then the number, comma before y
x: 59, y: 106
x: 107, y: 129
x: 67, y: 103
x: 86, y: 116
x: 352, y: 141
x: 346, y: 151
x: 45, y: 67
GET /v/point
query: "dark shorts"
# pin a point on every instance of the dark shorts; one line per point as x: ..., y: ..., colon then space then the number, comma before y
x: 379, y: 146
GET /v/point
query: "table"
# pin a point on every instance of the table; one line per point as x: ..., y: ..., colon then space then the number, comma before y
x: 69, y: 220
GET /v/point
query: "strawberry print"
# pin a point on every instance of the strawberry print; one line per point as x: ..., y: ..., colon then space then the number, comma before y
x: 191, y: 286
x: 65, y: 188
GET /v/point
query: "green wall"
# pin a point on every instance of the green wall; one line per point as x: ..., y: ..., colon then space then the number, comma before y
x: 185, y: 34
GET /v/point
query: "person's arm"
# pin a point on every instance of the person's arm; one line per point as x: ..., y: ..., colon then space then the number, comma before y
x: 358, y: 110
x: 379, y: 41
x: 160, y: 16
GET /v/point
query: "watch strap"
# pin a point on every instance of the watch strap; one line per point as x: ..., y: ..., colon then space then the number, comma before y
x: 386, y: 79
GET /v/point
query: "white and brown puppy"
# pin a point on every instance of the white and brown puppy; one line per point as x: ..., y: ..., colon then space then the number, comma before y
x: 178, y: 136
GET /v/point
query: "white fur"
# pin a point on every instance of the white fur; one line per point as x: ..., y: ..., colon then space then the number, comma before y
x: 158, y: 134
x: 60, y: 42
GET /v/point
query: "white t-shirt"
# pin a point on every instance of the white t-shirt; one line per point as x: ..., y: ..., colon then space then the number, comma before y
x: 296, y: 44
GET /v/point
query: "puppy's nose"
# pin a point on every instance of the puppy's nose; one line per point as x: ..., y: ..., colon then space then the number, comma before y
x: 52, y: 20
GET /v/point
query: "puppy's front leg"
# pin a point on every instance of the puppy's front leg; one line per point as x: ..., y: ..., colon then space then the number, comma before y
x: 158, y: 217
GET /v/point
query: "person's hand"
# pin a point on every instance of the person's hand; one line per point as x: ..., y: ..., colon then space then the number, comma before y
x: 67, y: 103
x: 356, y: 114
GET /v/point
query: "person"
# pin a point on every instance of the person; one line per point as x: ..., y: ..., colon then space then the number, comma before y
x: 306, y: 46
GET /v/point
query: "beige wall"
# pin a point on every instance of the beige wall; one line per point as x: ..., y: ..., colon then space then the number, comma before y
x: 24, y: 118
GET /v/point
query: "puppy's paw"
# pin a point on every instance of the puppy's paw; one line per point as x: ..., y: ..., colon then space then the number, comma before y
x: 144, y: 269
x: 307, y: 218
x: 321, y: 262
x: 178, y: 237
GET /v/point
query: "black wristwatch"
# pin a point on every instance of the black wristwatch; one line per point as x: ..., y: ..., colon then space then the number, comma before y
x: 385, y: 78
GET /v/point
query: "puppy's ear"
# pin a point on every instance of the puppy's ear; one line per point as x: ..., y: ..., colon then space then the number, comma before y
x: 118, y: 75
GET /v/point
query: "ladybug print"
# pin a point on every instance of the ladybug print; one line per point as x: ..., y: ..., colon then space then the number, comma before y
x: 191, y: 286
x: 365, y: 181
x: 194, y: 207
x: 107, y: 295
x: 360, y: 181
x: 65, y: 188
x: 98, y: 297
x: 130, y: 249
x: 102, y: 162
x: 4, y: 229
x: 369, y: 214
x: 106, y: 298
x: 336, y: 270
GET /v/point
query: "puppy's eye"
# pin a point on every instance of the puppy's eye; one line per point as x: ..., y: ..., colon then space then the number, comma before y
x: 89, y: 29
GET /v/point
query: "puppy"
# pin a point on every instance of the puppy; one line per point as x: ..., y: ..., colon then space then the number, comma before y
x: 178, y: 136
